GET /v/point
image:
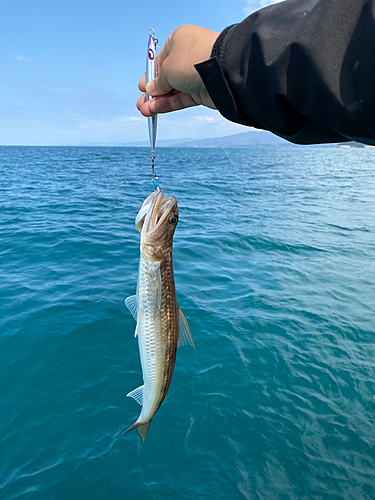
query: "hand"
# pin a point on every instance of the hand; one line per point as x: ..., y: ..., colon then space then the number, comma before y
x: 179, y: 85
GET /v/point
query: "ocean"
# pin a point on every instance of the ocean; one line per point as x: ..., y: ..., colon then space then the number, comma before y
x: 274, y: 259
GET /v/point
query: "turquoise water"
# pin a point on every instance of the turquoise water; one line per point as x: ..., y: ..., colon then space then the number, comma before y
x: 275, y: 271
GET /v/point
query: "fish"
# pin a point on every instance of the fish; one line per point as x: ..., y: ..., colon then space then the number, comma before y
x: 161, y: 324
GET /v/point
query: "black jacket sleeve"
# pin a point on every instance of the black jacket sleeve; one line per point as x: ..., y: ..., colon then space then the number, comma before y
x: 303, y: 69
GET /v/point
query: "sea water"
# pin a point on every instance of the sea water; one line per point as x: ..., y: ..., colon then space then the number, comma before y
x: 274, y: 258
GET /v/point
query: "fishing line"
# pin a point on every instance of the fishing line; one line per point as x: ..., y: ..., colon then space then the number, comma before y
x: 253, y: 194
x: 294, y: 257
x: 244, y: 180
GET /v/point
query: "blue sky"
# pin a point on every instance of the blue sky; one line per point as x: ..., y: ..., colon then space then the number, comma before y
x: 70, y: 69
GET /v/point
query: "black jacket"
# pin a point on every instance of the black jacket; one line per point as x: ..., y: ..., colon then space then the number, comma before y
x: 303, y: 69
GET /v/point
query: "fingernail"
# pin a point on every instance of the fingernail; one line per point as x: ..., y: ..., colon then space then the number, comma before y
x: 150, y: 87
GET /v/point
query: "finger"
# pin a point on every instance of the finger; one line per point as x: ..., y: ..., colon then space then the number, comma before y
x: 165, y: 104
x: 142, y: 83
x: 141, y: 101
x: 164, y: 51
x: 160, y: 85
x: 159, y: 60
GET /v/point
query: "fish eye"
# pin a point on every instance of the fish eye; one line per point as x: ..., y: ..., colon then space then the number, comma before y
x: 173, y: 219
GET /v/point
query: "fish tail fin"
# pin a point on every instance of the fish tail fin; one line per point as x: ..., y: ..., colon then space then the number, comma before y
x: 141, y: 428
x: 134, y: 426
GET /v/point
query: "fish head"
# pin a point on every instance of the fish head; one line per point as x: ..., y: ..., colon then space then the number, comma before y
x: 158, y: 219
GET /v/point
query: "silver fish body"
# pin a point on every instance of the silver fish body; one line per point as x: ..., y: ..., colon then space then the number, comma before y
x: 161, y: 325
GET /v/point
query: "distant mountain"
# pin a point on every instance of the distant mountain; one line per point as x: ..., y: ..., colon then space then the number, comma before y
x: 253, y: 138
x: 164, y: 143
x: 244, y: 139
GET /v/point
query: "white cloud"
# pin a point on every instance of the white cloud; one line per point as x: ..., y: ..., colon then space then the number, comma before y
x: 18, y: 57
x: 68, y: 90
x: 117, y: 129
x: 139, y: 119
x: 253, y: 5
x: 202, y: 119
x: 209, y: 123
x: 187, y: 124
x: 80, y: 129
x: 115, y: 123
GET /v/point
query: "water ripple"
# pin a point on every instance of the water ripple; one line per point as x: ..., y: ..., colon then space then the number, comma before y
x: 277, y: 282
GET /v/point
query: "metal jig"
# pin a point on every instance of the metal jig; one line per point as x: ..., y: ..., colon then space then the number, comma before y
x: 151, y: 74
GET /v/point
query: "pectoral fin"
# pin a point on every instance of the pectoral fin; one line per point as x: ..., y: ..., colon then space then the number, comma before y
x: 140, y: 318
x: 184, y: 334
x: 131, y: 304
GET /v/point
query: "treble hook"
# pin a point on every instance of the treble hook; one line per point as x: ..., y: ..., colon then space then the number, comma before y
x: 154, y: 177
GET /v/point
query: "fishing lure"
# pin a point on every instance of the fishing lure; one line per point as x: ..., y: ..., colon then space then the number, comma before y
x: 151, y: 74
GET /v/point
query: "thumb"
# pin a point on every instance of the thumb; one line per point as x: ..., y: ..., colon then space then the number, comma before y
x: 159, y: 86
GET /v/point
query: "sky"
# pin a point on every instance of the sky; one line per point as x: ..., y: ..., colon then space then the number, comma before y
x: 70, y: 69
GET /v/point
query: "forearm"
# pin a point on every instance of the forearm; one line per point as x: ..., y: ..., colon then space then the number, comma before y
x: 304, y: 70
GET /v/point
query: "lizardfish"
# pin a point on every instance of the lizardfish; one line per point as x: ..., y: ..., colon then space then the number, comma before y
x: 161, y: 325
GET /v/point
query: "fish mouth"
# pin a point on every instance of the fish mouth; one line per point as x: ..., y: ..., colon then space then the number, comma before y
x: 154, y: 211
x: 140, y: 219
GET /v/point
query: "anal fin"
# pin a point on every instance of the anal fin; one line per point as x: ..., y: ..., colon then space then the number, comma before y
x: 137, y: 394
